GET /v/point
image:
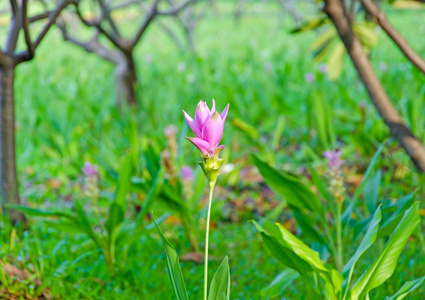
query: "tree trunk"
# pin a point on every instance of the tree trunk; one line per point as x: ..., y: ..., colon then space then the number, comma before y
x: 126, y: 80
x: 8, y: 179
x: 337, y: 12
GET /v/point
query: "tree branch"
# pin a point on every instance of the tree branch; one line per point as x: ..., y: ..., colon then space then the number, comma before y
x: 25, y: 24
x: 13, y: 32
x: 125, y: 4
x: 52, y: 20
x: 380, y: 19
x: 14, y: 7
x: 337, y: 12
x: 39, y: 17
x: 116, y: 40
x: 145, y: 23
x: 107, y: 14
x: 176, y: 9
x: 91, y: 46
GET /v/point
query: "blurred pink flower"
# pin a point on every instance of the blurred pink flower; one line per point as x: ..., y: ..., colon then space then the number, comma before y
x: 323, y: 68
x: 186, y: 173
x: 382, y: 66
x: 334, y: 158
x: 208, y: 127
x: 90, y: 170
x: 170, y: 130
x: 309, y: 77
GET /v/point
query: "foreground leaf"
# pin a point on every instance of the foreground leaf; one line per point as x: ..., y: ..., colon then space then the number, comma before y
x: 220, y: 285
x: 294, y: 191
x: 407, y: 288
x: 173, y: 268
x: 278, y: 286
x: 367, y: 241
x: 385, y: 264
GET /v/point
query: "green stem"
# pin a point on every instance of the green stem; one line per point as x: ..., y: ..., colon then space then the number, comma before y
x: 338, y: 260
x: 211, y: 185
x: 329, y: 236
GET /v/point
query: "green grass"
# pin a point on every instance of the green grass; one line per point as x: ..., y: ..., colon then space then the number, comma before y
x: 66, y: 114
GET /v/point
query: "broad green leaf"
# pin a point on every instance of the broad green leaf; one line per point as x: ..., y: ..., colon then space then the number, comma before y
x: 336, y: 61
x: 220, y: 285
x: 124, y: 181
x: 151, y: 196
x: 320, y: 185
x: 367, y: 241
x: 321, y: 115
x: 371, y: 191
x: 278, y: 131
x: 292, y: 243
x: 384, y: 265
x: 247, y: 129
x: 348, y: 212
x: 366, y: 33
x: 323, y: 39
x: 173, y: 267
x: 116, y: 217
x: 294, y: 191
x: 83, y: 221
x: 281, y: 282
x: 307, y: 227
x: 288, y: 257
x: 311, y: 24
x: 390, y: 223
x: 40, y: 213
x: 369, y: 169
x: 67, y: 227
x: 407, y: 288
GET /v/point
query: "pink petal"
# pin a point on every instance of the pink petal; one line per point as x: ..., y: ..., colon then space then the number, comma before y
x: 192, y: 124
x: 213, y: 130
x: 202, y: 145
x: 201, y: 114
x: 213, y: 108
x: 223, y: 114
x: 218, y: 149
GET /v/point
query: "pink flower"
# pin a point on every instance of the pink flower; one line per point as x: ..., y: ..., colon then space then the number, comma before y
x: 186, y: 173
x: 208, y: 127
x: 334, y: 158
x: 309, y: 77
x: 170, y: 131
x: 323, y: 68
x: 90, y: 170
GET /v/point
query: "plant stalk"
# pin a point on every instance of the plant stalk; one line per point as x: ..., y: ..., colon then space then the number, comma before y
x: 338, y: 261
x: 211, y: 186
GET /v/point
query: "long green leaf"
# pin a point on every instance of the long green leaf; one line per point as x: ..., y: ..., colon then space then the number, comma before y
x: 116, y: 217
x: 369, y: 169
x: 173, y: 267
x: 407, y: 288
x: 385, y: 264
x: 281, y: 282
x: 124, y: 181
x: 150, y: 197
x: 371, y: 191
x: 294, y: 191
x: 220, y: 285
x: 288, y: 257
x: 40, y: 213
x: 67, y: 227
x: 367, y: 241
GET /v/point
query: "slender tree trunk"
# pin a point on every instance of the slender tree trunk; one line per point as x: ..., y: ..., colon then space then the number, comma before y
x: 8, y: 179
x: 126, y: 80
x: 337, y: 12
